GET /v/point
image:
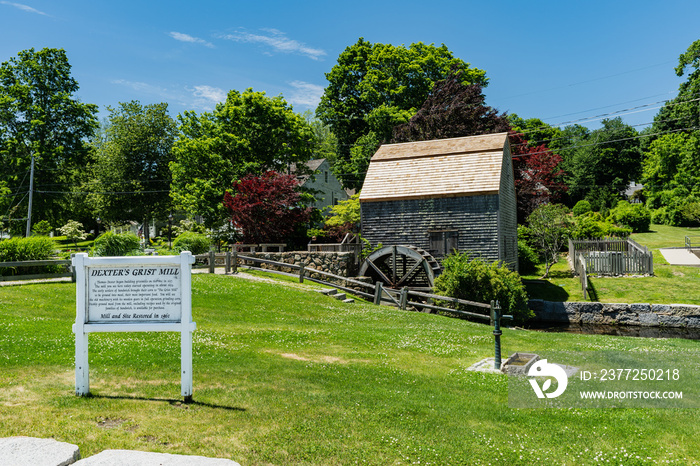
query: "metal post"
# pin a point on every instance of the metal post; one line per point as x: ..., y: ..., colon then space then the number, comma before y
x: 496, y: 317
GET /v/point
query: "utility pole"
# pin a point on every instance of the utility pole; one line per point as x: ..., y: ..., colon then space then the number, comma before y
x: 31, y: 195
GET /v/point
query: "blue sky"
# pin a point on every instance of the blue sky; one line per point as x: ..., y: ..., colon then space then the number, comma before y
x: 555, y: 60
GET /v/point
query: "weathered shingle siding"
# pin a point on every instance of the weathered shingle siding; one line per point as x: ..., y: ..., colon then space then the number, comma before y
x: 409, y: 221
x: 508, y: 222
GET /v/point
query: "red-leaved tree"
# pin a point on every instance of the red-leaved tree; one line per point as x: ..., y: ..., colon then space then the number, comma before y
x: 538, y: 178
x: 266, y: 208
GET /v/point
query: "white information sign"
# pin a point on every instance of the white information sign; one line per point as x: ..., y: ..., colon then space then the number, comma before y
x: 133, y: 294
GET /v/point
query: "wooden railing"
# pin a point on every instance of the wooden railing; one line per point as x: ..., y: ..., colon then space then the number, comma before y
x: 580, y: 269
x: 350, y: 243
x: 37, y: 263
x: 372, y: 292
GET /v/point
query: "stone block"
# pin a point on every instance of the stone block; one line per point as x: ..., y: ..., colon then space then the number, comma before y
x: 29, y: 451
x: 648, y: 319
x: 693, y: 322
x: 671, y: 320
x: 660, y: 308
x: 640, y: 308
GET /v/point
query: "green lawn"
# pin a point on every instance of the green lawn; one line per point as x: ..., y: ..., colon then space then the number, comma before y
x: 670, y: 284
x: 283, y: 375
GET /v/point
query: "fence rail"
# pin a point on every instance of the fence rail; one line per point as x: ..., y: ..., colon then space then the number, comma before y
x: 607, y: 256
x: 374, y: 292
x: 37, y: 263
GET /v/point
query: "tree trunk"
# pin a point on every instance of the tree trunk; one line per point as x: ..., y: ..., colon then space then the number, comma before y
x: 146, y: 233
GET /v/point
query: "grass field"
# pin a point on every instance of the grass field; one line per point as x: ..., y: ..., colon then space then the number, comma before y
x: 670, y: 284
x: 283, y: 375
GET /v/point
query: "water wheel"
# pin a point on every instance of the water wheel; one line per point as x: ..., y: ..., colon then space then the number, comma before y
x: 399, y: 266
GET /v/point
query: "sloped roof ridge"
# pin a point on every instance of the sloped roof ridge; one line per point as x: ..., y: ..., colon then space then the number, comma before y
x: 439, y: 147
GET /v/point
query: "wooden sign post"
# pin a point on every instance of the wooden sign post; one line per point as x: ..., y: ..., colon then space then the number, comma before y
x: 133, y: 294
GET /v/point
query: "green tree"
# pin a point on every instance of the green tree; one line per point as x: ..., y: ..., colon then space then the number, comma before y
x: 671, y: 177
x: 682, y: 112
x: 344, y: 217
x: 132, y: 174
x: 603, y: 165
x: 41, y: 118
x: 249, y: 133
x: 73, y: 231
x: 549, y: 227
x: 375, y: 87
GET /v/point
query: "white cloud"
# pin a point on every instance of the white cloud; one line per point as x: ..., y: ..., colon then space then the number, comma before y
x: 278, y: 41
x: 26, y: 8
x: 207, y: 96
x: 202, y: 97
x: 188, y: 38
x: 305, y: 94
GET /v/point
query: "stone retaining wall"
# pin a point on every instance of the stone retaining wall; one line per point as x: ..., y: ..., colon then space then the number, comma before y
x: 646, y: 315
x: 338, y: 263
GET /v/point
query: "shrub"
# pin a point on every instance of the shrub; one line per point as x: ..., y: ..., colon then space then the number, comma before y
x: 116, y: 244
x: 42, y: 228
x: 581, y: 208
x: 27, y: 249
x: 590, y: 225
x: 527, y: 258
x: 476, y: 280
x: 636, y: 216
x: 196, y: 243
x: 73, y: 231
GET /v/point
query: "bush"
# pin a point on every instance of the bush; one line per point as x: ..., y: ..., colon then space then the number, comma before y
x: 581, y: 208
x: 476, y: 280
x: 116, y: 244
x: 636, y: 216
x: 42, y: 228
x: 196, y: 243
x: 527, y: 258
x: 73, y: 231
x: 590, y: 225
x: 33, y: 248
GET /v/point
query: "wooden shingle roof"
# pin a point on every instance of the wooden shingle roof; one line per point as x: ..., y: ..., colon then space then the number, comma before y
x: 453, y: 167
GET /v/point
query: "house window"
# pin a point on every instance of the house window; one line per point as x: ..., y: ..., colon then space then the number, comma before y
x: 443, y: 242
x: 325, y: 175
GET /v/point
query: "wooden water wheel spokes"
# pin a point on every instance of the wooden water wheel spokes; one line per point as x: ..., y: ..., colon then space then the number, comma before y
x: 399, y: 266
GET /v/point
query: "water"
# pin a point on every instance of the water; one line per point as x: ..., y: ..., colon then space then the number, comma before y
x: 618, y: 330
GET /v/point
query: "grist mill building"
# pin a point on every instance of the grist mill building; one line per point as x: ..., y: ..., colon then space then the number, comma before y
x: 444, y: 195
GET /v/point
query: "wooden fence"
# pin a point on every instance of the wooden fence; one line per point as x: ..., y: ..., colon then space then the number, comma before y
x: 351, y: 243
x: 403, y: 298
x: 580, y: 269
x: 608, y: 256
x: 40, y: 263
